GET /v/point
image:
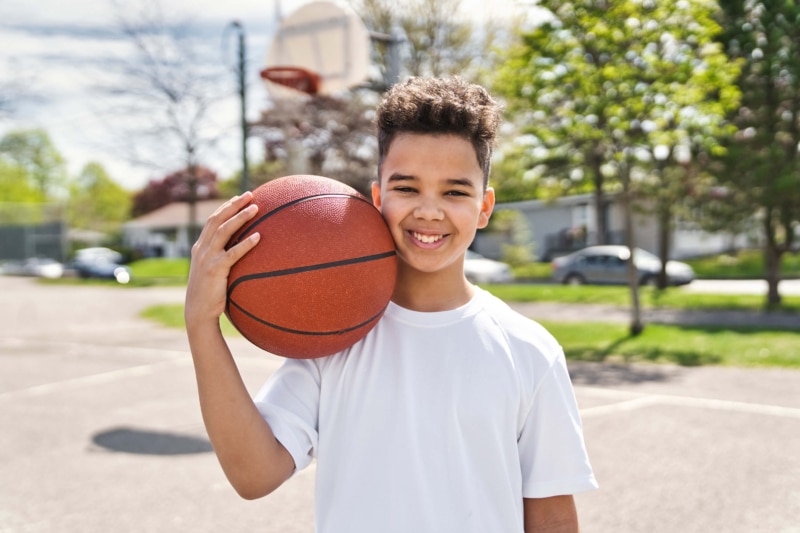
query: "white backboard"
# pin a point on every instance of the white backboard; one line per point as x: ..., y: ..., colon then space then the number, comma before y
x: 325, y: 38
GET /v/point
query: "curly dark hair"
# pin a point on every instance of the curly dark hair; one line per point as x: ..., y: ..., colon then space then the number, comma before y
x: 439, y: 106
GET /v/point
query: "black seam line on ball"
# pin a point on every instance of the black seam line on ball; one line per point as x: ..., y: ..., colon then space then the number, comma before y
x: 312, y: 333
x: 309, y: 268
x: 245, y: 232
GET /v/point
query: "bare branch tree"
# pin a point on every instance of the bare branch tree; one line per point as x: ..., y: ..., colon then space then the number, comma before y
x: 437, y: 41
x: 165, y: 92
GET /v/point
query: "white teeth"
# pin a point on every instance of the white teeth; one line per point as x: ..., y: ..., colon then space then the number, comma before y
x: 427, y: 239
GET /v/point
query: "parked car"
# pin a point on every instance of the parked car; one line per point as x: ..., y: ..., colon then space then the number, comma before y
x: 42, y: 267
x: 480, y: 269
x: 100, y: 263
x: 609, y: 265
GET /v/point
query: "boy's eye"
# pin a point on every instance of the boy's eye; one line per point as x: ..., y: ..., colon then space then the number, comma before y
x: 457, y: 193
x: 404, y: 189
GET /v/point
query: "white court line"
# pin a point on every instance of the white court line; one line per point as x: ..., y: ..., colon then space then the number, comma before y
x: 176, y: 358
x: 634, y: 401
x: 93, y: 379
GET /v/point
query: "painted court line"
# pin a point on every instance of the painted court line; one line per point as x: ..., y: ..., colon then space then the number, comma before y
x: 93, y: 379
x: 174, y: 358
x: 630, y: 401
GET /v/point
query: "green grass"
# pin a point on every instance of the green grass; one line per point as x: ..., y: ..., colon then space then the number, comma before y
x: 160, y: 268
x: 746, y: 264
x: 533, y: 271
x: 649, y: 297
x: 159, y: 271
x: 171, y: 315
x: 683, y: 345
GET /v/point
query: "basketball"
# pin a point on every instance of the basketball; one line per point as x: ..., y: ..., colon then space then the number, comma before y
x: 322, y: 273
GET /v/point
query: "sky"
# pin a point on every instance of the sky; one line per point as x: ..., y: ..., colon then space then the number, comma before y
x: 53, y: 53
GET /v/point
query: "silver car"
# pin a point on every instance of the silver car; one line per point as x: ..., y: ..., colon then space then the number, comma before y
x: 480, y: 269
x: 603, y: 265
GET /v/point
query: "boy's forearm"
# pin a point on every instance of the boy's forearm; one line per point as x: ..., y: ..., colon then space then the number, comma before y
x: 252, y: 459
x: 551, y: 515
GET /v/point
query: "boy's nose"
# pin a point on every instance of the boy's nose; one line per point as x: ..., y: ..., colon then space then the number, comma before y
x: 428, y: 209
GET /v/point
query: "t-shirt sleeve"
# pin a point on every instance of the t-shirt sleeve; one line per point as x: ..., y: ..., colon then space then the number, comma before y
x: 552, y: 449
x: 289, y: 402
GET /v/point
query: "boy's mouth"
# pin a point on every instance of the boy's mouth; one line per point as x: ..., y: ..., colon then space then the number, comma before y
x: 427, y: 239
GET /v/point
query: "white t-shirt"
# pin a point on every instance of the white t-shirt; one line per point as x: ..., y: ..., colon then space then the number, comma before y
x: 434, y: 422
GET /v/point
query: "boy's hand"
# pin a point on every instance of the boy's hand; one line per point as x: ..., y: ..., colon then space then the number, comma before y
x: 211, y: 263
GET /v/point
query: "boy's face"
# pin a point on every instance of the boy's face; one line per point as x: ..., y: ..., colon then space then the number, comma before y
x: 431, y: 194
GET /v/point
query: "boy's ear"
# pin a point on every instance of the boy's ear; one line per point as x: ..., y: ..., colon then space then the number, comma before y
x: 487, y: 206
x: 376, y: 194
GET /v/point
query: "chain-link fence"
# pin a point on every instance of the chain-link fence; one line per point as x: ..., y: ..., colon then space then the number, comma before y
x: 32, y: 230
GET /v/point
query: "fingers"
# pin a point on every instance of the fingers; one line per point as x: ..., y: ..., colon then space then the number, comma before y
x: 230, y: 216
x: 238, y: 250
x: 222, y: 225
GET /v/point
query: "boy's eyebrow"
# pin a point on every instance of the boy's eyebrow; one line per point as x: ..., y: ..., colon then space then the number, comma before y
x: 463, y: 182
x: 400, y: 177
x: 460, y: 182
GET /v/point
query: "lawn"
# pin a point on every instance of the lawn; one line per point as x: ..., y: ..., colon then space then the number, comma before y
x: 746, y: 264
x: 159, y: 272
x: 650, y: 297
x: 683, y: 345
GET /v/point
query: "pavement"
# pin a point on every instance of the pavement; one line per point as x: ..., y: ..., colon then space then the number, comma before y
x: 100, y: 430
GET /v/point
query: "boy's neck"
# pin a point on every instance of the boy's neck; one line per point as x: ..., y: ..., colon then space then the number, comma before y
x: 430, y: 292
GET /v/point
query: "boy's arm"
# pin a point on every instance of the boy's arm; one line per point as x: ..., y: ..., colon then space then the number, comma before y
x: 252, y: 459
x: 551, y: 515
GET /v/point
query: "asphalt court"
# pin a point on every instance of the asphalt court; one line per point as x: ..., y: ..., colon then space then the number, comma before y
x: 100, y: 430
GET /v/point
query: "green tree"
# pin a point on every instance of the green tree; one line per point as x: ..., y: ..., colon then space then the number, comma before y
x: 15, y: 185
x: 601, y: 81
x: 96, y: 201
x: 763, y: 167
x: 36, y: 160
x: 600, y: 84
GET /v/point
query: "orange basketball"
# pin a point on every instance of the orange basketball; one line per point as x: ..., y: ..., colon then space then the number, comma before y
x: 322, y: 274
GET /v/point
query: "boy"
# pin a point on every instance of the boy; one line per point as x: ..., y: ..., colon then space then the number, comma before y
x: 454, y: 414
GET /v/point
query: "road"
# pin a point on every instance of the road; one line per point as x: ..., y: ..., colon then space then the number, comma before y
x: 101, y: 431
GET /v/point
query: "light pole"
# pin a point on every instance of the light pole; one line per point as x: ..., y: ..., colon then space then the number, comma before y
x: 241, y: 74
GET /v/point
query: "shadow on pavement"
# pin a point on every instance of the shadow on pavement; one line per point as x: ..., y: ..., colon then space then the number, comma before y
x: 145, y: 442
x: 608, y: 374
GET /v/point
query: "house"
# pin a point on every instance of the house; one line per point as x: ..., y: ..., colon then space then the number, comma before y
x: 165, y: 231
x: 560, y: 226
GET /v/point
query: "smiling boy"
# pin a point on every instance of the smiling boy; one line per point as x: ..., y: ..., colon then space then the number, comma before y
x: 454, y: 414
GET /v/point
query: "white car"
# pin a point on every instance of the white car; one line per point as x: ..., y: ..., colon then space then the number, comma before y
x: 479, y: 269
x: 41, y: 267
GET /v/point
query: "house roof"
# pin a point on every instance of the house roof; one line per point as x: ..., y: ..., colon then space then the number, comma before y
x: 174, y: 215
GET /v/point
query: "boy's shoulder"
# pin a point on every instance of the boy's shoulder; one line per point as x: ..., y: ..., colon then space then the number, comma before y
x: 519, y: 329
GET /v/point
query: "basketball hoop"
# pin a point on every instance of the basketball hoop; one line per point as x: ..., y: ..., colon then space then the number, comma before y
x: 322, y: 48
x: 296, y: 78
